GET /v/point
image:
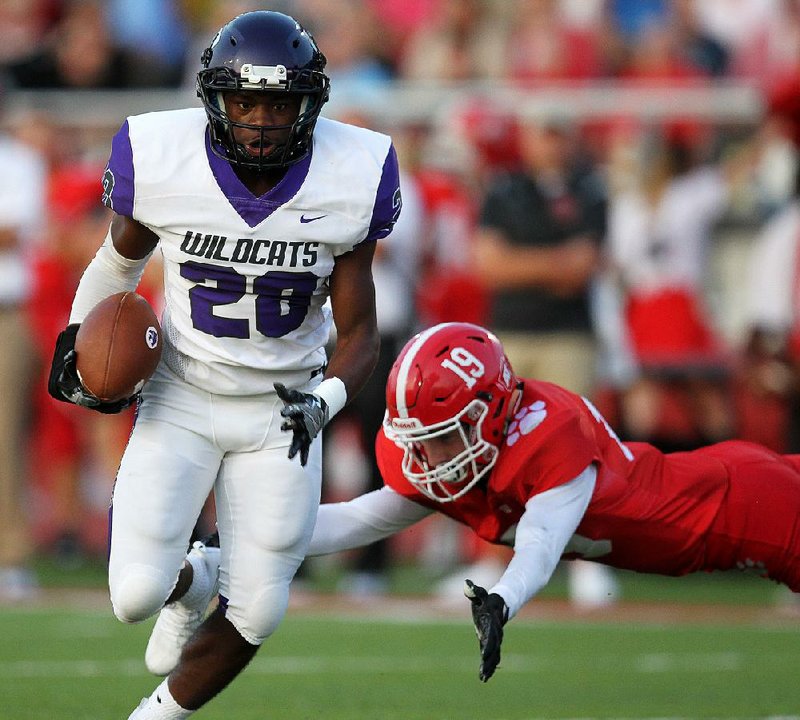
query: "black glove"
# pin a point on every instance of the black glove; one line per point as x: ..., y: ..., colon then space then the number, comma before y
x: 305, y: 414
x: 64, y: 384
x: 489, y: 614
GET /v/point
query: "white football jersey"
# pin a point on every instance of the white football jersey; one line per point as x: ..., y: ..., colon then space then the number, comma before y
x: 246, y: 278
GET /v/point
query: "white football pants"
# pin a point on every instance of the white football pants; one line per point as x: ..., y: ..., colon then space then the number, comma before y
x: 185, y: 443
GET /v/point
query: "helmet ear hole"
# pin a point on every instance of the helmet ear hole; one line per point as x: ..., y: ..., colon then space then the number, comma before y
x: 500, y: 406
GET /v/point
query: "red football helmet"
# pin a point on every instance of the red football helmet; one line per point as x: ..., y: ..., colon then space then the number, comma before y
x: 453, y: 378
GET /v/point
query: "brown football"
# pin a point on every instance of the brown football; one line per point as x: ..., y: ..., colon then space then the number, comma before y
x: 118, y: 346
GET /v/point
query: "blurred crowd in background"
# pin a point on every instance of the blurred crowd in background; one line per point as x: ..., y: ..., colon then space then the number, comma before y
x: 649, y: 263
x: 156, y: 43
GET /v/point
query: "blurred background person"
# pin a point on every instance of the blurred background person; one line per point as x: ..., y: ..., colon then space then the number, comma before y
x: 23, y: 26
x: 761, y: 37
x: 537, y: 249
x: 551, y: 42
x: 464, y: 40
x: 204, y: 18
x: 450, y: 169
x: 74, y: 455
x: 659, y: 238
x: 58, y: 439
x: 154, y: 32
x: 400, y: 21
x: 80, y: 52
x: 22, y: 196
x: 698, y: 46
x: 348, y: 31
x: 771, y: 349
x: 664, y: 42
x: 771, y: 346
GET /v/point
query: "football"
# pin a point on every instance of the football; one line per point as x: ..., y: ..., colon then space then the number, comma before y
x: 118, y: 346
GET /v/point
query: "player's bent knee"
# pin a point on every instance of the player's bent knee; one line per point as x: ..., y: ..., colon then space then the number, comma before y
x: 291, y: 541
x: 257, y: 619
x: 139, y: 592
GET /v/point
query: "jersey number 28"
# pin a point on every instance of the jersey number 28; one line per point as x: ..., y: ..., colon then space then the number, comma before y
x: 281, y: 300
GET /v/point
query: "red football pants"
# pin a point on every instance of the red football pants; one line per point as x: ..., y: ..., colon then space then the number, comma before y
x: 758, y: 526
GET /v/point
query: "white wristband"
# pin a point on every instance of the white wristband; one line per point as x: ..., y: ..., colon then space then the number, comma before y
x: 334, y: 393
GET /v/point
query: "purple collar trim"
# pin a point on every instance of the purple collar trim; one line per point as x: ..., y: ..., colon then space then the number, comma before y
x: 254, y: 210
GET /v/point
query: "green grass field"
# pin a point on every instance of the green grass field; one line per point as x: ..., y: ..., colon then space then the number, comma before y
x: 81, y: 664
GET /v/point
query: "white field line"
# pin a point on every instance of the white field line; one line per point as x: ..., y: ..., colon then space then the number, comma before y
x: 370, y: 665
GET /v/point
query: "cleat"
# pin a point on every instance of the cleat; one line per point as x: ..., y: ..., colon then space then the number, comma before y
x: 138, y: 712
x: 179, y: 620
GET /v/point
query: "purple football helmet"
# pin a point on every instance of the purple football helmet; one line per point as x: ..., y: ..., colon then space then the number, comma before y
x: 263, y: 51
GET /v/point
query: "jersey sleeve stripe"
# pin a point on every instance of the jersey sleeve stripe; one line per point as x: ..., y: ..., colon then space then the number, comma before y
x: 119, y: 175
x: 387, y: 200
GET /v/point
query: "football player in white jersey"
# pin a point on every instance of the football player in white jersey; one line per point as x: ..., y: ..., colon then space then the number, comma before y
x: 262, y: 211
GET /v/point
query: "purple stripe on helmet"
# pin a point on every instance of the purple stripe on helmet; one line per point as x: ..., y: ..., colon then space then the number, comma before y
x: 254, y: 210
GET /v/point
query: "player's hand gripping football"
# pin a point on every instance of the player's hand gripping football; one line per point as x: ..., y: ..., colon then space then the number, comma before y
x: 64, y: 384
x: 489, y: 614
x: 305, y: 415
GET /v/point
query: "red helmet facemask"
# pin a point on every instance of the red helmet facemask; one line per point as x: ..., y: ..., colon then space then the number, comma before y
x: 452, y: 380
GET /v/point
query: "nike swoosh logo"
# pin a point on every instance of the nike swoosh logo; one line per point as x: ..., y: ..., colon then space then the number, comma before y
x: 304, y: 219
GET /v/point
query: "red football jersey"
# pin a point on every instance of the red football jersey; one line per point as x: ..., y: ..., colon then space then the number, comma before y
x: 668, y: 514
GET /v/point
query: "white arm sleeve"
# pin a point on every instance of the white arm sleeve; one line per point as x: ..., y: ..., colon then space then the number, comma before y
x: 543, y: 531
x: 107, y: 273
x: 363, y: 520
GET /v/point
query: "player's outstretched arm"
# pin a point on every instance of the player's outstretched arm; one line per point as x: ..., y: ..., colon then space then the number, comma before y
x: 363, y: 520
x: 549, y: 520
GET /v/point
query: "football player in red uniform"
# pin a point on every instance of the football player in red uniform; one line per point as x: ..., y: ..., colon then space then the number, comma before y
x: 529, y: 464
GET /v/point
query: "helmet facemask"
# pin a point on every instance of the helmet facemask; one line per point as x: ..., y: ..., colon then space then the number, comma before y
x: 451, y: 479
x: 212, y: 84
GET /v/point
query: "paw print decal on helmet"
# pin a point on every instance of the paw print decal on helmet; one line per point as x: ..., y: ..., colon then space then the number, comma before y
x: 525, y: 421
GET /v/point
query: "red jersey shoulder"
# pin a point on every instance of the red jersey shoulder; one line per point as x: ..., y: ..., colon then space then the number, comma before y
x: 550, y: 440
x: 552, y: 437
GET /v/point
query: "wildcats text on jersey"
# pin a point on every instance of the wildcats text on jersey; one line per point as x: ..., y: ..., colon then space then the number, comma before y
x: 255, y: 251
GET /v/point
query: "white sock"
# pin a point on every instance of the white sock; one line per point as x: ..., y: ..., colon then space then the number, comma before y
x: 200, y: 582
x: 160, y: 706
